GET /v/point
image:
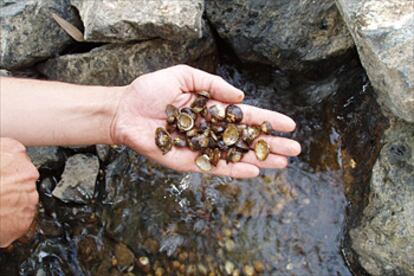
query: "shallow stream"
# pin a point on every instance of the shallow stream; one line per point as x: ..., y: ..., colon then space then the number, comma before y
x: 285, y: 222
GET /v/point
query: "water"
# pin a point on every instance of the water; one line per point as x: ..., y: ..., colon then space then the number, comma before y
x: 284, y: 222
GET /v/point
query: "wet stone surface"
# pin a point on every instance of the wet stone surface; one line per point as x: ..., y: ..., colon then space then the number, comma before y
x: 287, y: 221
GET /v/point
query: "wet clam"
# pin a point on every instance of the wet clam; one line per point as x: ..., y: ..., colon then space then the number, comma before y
x: 163, y: 140
x: 234, y: 155
x: 266, y: 127
x: 203, y: 163
x: 234, y: 114
x: 231, y: 135
x: 217, y: 112
x: 199, y: 104
x: 250, y: 133
x: 262, y: 150
x: 180, y: 142
x: 185, y: 122
x: 172, y: 113
x: 189, y: 111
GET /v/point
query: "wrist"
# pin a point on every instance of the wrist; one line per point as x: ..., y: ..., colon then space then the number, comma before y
x: 109, y: 111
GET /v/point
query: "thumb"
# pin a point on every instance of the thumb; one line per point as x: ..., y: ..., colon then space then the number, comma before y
x: 196, y: 80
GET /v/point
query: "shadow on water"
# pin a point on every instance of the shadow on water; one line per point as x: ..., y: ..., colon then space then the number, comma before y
x: 284, y: 222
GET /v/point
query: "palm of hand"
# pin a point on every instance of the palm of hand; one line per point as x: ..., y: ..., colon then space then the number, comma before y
x: 142, y: 110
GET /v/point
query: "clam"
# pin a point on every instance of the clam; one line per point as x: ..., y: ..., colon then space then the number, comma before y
x: 172, y: 112
x: 242, y: 146
x: 185, y: 122
x: 192, y: 132
x: 266, y: 127
x: 204, y: 94
x: 189, y: 111
x: 250, y: 133
x: 222, y: 146
x: 215, y: 157
x: 199, y: 104
x: 231, y: 135
x: 218, y: 127
x: 217, y: 112
x: 234, y: 155
x: 203, y: 124
x: 180, y: 141
x: 234, y: 114
x: 199, y: 142
x: 262, y: 150
x: 163, y: 140
x: 203, y: 163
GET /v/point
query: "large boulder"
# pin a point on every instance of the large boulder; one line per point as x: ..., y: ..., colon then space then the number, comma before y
x: 119, y: 64
x: 29, y: 33
x: 288, y: 34
x: 128, y: 20
x: 384, y: 242
x: 384, y: 34
x: 78, y: 179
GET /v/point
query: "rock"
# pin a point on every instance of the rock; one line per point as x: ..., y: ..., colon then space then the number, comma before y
x: 4, y: 73
x: 29, y: 33
x: 384, y: 242
x: 46, y: 157
x: 383, y: 33
x: 132, y: 20
x: 119, y: 64
x: 78, y: 179
x: 288, y: 34
x: 124, y: 256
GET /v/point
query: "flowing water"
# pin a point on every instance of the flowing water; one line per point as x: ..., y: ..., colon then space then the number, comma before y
x: 284, y: 222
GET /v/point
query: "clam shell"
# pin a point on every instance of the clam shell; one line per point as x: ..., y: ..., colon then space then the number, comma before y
x: 231, y: 135
x: 203, y: 163
x: 262, y: 150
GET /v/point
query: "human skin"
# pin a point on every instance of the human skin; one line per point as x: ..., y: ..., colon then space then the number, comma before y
x: 41, y: 113
x: 53, y: 113
x: 18, y: 195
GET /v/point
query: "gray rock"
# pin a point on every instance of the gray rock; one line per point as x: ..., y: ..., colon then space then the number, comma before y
x: 128, y: 20
x: 119, y: 64
x: 288, y: 34
x: 46, y: 157
x: 384, y: 241
x: 4, y: 73
x: 78, y: 179
x: 383, y: 33
x: 29, y: 33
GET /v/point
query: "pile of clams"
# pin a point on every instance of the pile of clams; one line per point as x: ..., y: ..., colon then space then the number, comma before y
x: 215, y: 132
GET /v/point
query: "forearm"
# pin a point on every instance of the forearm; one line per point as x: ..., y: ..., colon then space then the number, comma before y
x: 54, y: 113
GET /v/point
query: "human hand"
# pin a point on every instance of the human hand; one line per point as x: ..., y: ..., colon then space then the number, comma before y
x: 142, y: 109
x: 18, y: 195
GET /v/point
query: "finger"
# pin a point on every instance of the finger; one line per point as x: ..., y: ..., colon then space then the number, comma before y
x: 281, y: 145
x: 219, y: 89
x: 273, y: 161
x: 236, y: 170
x: 255, y: 116
x: 12, y: 146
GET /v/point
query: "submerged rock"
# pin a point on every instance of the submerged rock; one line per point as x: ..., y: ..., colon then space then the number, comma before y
x: 78, y: 179
x: 383, y: 33
x: 119, y: 64
x: 29, y: 33
x: 46, y: 157
x: 288, y: 34
x: 384, y: 242
x: 128, y: 20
